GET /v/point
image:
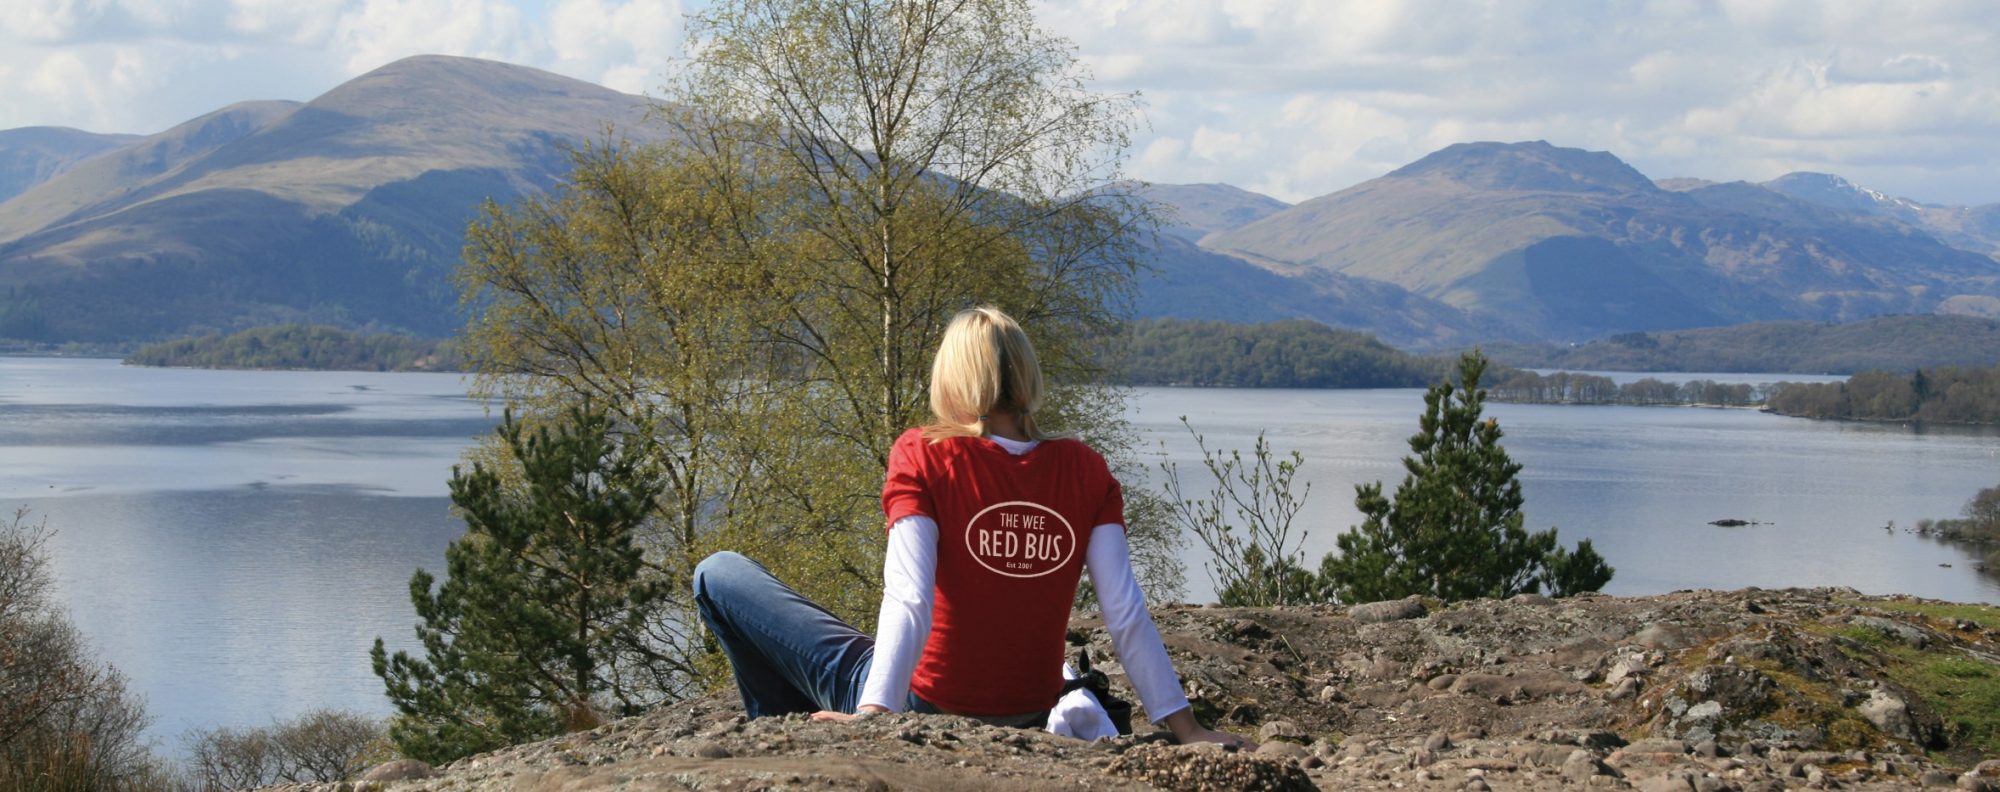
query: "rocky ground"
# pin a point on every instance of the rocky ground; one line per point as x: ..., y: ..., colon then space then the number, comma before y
x: 1743, y: 690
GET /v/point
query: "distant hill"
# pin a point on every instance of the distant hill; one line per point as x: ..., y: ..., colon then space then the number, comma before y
x: 1562, y: 244
x: 1203, y: 209
x: 1186, y: 282
x: 299, y: 347
x: 1975, y: 228
x: 102, y: 184
x: 1288, y: 354
x: 1682, y: 184
x: 1891, y: 343
x: 32, y: 155
x: 349, y: 209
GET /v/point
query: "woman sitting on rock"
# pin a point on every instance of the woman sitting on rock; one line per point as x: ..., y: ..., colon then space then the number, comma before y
x: 990, y: 526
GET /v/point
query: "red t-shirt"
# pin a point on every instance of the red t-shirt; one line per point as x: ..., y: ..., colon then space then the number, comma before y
x: 1011, y: 536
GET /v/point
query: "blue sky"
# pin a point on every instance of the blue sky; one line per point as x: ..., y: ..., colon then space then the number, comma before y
x: 1295, y: 99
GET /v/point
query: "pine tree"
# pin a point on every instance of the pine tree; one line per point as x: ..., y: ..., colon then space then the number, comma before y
x: 544, y: 606
x: 1454, y: 528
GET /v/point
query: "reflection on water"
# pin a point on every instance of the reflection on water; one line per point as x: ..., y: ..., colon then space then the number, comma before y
x: 238, y: 606
x: 234, y: 541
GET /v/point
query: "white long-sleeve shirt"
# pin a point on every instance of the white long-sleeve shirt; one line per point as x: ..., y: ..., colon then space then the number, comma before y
x: 909, y: 579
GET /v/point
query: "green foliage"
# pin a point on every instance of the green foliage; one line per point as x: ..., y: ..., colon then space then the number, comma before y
x: 1986, y: 616
x: 1289, y: 354
x: 540, y: 624
x: 1245, y: 523
x: 22, y: 318
x: 1984, y: 509
x: 759, y: 301
x: 1267, y: 583
x: 67, y: 722
x: 301, y: 347
x: 321, y: 746
x: 1563, y: 387
x: 1966, y: 694
x: 1963, y: 689
x: 1980, y: 524
x: 1940, y: 395
x: 1568, y: 572
x: 1454, y: 528
x: 1943, y: 395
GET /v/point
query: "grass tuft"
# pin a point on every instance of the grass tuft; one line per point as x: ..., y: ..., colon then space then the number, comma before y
x: 1986, y: 616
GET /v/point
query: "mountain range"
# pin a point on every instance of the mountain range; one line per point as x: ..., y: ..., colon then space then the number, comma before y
x: 350, y: 209
x: 32, y: 155
x: 1559, y: 244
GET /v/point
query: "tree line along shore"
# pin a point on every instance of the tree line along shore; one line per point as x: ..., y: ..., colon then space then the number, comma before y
x: 1945, y: 395
x: 1285, y: 354
x: 302, y: 347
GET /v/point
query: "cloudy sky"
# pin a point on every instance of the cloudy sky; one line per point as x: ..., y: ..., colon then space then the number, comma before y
x: 1294, y: 98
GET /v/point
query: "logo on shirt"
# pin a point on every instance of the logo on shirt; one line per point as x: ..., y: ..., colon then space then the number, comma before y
x: 1020, y: 539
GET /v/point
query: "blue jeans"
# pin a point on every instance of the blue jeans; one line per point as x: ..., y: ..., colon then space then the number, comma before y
x: 789, y: 654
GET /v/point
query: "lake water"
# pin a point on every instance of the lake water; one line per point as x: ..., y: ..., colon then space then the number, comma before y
x: 234, y: 541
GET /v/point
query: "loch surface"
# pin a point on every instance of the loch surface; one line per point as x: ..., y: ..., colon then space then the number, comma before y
x: 234, y: 541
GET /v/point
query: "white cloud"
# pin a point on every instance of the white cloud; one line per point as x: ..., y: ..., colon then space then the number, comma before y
x: 626, y: 46
x: 1217, y: 145
x: 48, y: 20
x: 1907, y: 67
x: 385, y: 30
x: 1294, y: 98
x: 1345, y: 90
x: 1161, y: 154
x: 64, y: 79
x: 145, y: 65
x: 304, y: 24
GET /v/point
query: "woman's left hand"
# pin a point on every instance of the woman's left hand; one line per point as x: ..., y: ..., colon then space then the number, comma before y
x: 830, y: 716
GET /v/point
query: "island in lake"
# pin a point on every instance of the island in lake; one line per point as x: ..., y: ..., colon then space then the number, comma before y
x: 302, y: 347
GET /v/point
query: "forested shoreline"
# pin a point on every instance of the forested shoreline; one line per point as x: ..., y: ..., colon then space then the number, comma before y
x: 1565, y: 387
x: 1294, y: 353
x: 1938, y: 395
x: 1285, y: 354
x: 302, y: 347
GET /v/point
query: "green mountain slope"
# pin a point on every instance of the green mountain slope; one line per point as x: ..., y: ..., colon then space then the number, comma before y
x: 1564, y: 244
x: 350, y: 210
x: 1186, y: 282
x: 347, y: 210
x: 32, y: 155
x: 1288, y: 354
x: 102, y: 184
x: 1202, y: 209
x: 1974, y: 228
x: 1889, y: 343
x: 301, y: 347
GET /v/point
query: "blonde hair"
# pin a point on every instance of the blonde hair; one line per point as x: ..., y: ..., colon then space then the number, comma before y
x: 984, y: 364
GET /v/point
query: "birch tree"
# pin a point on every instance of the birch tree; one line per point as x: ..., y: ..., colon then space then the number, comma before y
x: 760, y: 295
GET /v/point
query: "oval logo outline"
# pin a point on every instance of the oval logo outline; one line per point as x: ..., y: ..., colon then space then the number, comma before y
x: 1068, y: 553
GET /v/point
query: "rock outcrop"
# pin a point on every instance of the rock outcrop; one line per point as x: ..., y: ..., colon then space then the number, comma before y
x: 1699, y: 691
